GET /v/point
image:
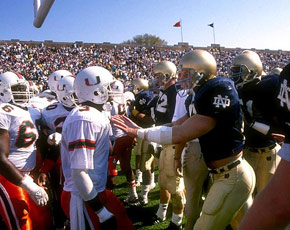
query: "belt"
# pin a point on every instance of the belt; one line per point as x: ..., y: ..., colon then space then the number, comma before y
x: 225, y: 168
x: 262, y: 150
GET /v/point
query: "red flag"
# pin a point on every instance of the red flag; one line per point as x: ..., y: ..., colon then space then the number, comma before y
x: 177, y: 24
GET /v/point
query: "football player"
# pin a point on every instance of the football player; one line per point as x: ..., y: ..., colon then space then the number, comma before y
x: 18, y: 135
x: 52, y: 119
x: 170, y: 184
x: 193, y: 168
x: 48, y: 97
x: 141, y: 114
x: 218, y: 125
x: 276, y: 193
x: 138, y: 85
x: 85, y: 148
x: 260, y: 148
x: 123, y: 143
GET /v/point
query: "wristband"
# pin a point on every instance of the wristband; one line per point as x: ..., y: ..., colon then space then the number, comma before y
x: 141, y: 133
x: 134, y: 112
x: 104, y: 214
x: 260, y: 127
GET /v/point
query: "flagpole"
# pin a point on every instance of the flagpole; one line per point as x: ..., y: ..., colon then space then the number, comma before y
x: 213, y: 35
x: 181, y: 31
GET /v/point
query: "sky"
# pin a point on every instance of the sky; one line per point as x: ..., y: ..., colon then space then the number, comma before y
x: 260, y: 24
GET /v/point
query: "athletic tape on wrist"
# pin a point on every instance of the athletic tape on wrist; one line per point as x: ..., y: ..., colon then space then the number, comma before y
x: 260, y: 127
x: 159, y: 134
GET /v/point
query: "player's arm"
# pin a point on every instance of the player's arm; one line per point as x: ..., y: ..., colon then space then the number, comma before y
x: 180, y: 120
x: 271, y: 208
x: 7, y: 169
x: 257, y: 122
x: 11, y: 173
x: 192, y: 128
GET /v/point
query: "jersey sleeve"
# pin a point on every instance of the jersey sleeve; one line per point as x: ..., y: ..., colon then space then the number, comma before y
x: 82, y: 144
x: 218, y: 101
x: 4, y: 121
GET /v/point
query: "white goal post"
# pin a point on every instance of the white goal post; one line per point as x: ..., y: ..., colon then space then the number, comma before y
x: 41, y: 9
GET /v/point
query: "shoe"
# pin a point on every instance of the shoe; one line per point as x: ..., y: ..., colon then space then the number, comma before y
x: 132, y: 201
x: 156, y: 219
x: 138, y: 183
x: 173, y: 226
x: 109, y: 224
x: 152, y: 186
x: 143, y: 201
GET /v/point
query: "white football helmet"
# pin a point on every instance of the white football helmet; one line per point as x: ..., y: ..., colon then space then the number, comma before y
x: 129, y: 96
x: 65, y: 91
x: 93, y: 84
x: 56, y: 76
x: 276, y: 71
x: 13, y: 87
x: 117, y: 92
x: 47, y: 94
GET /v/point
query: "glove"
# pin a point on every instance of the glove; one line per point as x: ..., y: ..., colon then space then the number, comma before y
x: 54, y: 139
x: 109, y: 224
x: 104, y: 214
x: 36, y: 192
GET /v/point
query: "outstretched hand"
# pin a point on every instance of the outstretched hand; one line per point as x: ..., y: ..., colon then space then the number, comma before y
x: 125, y: 124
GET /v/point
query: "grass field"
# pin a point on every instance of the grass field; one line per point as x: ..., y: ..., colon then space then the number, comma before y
x: 141, y: 215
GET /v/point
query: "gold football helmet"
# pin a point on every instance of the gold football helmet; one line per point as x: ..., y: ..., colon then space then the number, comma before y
x: 196, y: 67
x: 163, y: 72
x: 246, y: 67
x: 139, y: 84
x: 276, y: 71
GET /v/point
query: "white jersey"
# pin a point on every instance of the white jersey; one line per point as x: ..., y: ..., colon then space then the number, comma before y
x: 40, y: 102
x: 117, y: 109
x: 22, y: 136
x: 35, y: 115
x: 180, y: 109
x: 85, y: 144
x: 53, y: 117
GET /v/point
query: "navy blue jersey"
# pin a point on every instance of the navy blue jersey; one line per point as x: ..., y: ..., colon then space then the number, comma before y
x: 165, y: 105
x: 283, y: 100
x: 259, y: 99
x: 219, y: 99
x: 143, y: 101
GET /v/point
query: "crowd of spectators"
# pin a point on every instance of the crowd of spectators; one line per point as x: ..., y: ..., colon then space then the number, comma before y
x: 37, y: 61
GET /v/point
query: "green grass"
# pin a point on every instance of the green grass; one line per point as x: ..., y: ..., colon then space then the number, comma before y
x: 141, y: 216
